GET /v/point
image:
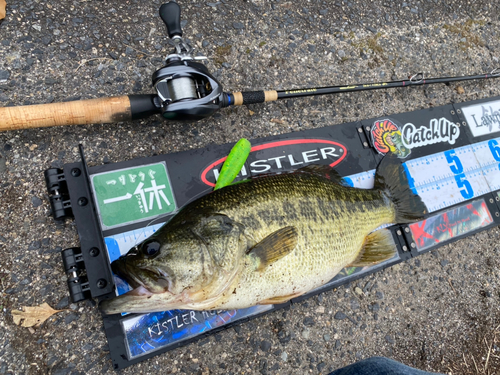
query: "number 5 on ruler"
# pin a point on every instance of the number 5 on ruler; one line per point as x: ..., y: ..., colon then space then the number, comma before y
x: 457, y: 168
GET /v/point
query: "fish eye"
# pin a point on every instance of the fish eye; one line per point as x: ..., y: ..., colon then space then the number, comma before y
x: 151, y: 248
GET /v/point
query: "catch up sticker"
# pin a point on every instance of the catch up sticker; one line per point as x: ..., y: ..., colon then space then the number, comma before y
x: 131, y: 195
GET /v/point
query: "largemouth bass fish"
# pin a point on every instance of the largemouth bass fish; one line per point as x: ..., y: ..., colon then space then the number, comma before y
x: 265, y: 241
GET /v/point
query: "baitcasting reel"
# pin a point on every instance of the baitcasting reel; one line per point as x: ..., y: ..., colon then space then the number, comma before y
x: 186, y: 90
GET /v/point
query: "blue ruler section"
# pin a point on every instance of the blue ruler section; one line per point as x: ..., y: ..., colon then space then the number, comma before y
x: 447, y: 178
x: 120, y: 244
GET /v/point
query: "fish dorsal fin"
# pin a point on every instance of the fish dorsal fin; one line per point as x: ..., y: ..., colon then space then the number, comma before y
x: 378, y: 246
x: 274, y: 247
x: 324, y: 171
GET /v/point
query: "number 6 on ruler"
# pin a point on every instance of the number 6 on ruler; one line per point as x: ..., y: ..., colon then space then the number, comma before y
x: 457, y: 168
x: 495, y: 150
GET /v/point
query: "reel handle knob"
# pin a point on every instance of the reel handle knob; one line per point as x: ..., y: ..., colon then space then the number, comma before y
x: 170, y: 13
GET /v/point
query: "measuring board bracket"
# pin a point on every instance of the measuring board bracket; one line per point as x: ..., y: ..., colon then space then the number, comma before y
x: 402, y: 242
x: 58, y: 193
x: 87, y: 267
x: 74, y: 267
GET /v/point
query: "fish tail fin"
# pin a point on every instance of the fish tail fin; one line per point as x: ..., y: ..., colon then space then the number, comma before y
x: 392, y: 179
x: 378, y: 246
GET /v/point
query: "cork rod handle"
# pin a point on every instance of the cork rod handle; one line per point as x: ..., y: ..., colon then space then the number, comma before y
x: 80, y: 112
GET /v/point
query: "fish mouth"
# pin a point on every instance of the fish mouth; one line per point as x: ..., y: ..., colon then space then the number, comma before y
x: 154, y: 279
x: 150, y: 285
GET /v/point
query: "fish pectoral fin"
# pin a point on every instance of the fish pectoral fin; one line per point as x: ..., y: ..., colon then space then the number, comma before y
x: 274, y: 247
x: 378, y: 246
x: 280, y: 299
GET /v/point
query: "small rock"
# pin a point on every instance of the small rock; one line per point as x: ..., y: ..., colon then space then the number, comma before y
x: 265, y: 346
x: 340, y: 315
x: 379, y: 295
x: 338, y: 344
x: 326, y: 337
x: 35, y: 245
x: 238, y: 25
x: 284, y: 356
x: 389, y: 339
x: 306, y: 333
x: 308, y: 321
x: 444, y: 262
x: 129, y: 51
x: 36, y: 202
x: 87, y: 347
x: 321, y: 366
x: 4, y: 75
x: 320, y: 310
x: 71, y: 318
x: 341, y: 53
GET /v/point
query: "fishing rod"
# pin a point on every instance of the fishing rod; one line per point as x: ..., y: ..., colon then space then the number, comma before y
x: 185, y: 91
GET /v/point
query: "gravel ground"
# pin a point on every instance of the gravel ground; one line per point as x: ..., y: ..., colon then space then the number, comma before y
x: 438, y: 312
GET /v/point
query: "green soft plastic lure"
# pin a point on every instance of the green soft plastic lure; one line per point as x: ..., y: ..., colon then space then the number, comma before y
x: 233, y: 164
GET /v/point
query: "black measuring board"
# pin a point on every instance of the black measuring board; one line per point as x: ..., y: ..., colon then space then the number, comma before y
x: 453, y: 166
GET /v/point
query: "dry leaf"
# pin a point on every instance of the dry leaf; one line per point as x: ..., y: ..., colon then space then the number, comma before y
x: 460, y: 90
x: 277, y: 121
x: 33, y: 316
x: 2, y: 9
x: 251, y: 112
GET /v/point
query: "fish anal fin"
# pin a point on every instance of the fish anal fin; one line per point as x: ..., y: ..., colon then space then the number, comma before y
x: 274, y: 247
x: 280, y: 299
x: 378, y: 246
